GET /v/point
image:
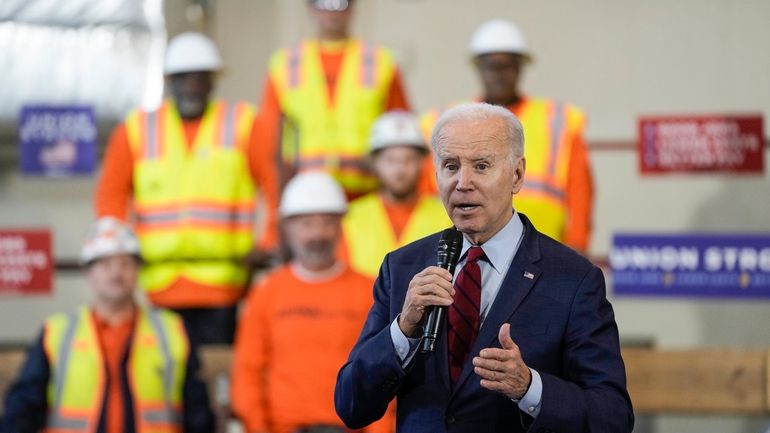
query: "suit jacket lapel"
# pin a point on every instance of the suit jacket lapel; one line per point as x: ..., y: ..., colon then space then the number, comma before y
x: 514, y: 289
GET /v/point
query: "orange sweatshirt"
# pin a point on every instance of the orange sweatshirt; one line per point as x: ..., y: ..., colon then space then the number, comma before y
x: 114, y: 195
x: 292, y: 339
x: 268, y: 132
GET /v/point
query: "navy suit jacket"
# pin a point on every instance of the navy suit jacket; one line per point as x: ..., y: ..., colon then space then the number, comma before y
x: 560, y: 319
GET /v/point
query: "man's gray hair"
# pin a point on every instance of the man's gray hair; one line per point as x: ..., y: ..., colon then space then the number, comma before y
x: 514, y: 133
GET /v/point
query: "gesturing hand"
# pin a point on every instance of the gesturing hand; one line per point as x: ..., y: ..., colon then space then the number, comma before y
x: 432, y: 286
x: 503, y: 370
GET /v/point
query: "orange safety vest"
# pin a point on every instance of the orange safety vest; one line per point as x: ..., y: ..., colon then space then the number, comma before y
x: 550, y: 128
x: 194, y: 206
x: 317, y: 135
x: 156, y: 371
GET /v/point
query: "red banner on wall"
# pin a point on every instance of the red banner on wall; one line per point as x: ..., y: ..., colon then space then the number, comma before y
x: 726, y: 143
x: 26, y: 267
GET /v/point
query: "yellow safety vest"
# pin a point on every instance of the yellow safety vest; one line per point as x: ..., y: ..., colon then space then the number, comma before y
x: 194, y: 208
x: 156, y: 370
x: 369, y: 235
x: 550, y: 128
x: 317, y: 135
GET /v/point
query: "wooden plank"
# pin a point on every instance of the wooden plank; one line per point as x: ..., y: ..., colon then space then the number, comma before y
x: 702, y: 381
x: 10, y: 364
x: 724, y: 381
x: 767, y: 381
x: 216, y: 362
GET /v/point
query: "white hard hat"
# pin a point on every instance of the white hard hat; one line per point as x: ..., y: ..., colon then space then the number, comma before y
x: 397, y: 128
x: 108, y: 237
x: 191, y: 52
x: 331, y: 5
x: 498, y: 36
x: 310, y: 193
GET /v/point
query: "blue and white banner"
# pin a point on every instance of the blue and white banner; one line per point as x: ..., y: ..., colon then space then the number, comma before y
x: 694, y: 265
x: 57, y: 140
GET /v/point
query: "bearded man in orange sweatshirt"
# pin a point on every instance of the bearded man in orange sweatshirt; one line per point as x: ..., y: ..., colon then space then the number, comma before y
x: 301, y: 321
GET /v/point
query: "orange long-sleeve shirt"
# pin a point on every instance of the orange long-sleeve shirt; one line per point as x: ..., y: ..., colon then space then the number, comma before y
x: 399, y: 214
x: 293, y: 337
x: 113, y: 339
x: 114, y: 197
x: 580, y: 198
x: 270, y: 113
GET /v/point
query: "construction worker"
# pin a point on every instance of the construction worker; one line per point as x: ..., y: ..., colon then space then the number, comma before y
x: 322, y: 96
x: 397, y: 213
x: 300, y: 322
x: 558, y: 192
x: 186, y: 174
x: 112, y: 366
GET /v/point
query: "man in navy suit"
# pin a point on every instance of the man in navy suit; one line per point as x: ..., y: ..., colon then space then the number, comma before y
x: 544, y: 355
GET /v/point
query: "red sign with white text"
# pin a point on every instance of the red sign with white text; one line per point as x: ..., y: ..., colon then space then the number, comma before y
x: 726, y: 143
x: 26, y: 267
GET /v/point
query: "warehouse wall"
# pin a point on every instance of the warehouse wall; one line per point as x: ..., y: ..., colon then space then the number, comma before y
x: 615, y: 58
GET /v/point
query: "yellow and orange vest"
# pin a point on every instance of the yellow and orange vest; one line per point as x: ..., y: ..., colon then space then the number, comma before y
x: 369, y: 235
x: 319, y: 135
x: 156, y: 370
x: 194, y: 205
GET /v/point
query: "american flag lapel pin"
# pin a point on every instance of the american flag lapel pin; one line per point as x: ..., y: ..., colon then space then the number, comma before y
x: 529, y: 275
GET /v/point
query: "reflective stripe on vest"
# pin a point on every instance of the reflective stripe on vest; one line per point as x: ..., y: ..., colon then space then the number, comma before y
x: 315, y: 134
x: 557, y: 126
x: 368, y: 68
x: 193, y: 202
x: 369, y: 234
x: 197, y: 214
x: 169, y: 414
x: 151, y: 136
x: 57, y: 420
x: 74, y: 353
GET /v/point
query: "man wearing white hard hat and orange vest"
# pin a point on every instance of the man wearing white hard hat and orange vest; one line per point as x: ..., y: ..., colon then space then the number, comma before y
x: 188, y: 175
x: 321, y: 97
x: 112, y: 366
x: 300, y: 322
x: 397, y: 213
x: 558, y: 192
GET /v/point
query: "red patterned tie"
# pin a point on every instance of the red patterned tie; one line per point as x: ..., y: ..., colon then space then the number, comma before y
x: 464, y: 312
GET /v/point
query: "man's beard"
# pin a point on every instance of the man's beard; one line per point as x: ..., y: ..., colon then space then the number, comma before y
x: 403, y: 190
x: 191, y: 107
x: 316, y: 253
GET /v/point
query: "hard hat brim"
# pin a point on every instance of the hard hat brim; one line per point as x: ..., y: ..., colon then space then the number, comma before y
x: 421, y: 147
x: 526, y: 58
x: 87, y: 262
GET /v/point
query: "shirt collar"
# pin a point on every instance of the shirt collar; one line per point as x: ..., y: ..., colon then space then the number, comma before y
x: 498, y: 248
x: 315, y: 277
x: 102, y: 322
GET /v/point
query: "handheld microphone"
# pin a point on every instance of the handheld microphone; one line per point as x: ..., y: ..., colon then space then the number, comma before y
x: 449, y: 247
